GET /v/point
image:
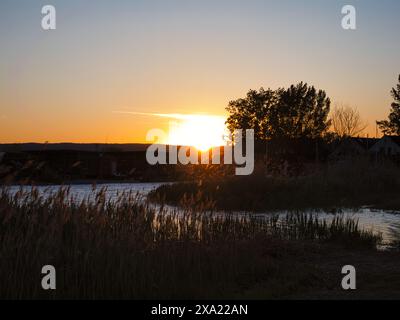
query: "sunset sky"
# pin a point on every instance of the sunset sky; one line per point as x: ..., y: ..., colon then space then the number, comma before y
x: 111, y: 66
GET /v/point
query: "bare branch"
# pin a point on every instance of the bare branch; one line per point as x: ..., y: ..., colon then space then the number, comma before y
x: 346, y: 121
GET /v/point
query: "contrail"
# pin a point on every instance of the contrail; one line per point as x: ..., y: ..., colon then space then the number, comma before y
x: 177, y: 116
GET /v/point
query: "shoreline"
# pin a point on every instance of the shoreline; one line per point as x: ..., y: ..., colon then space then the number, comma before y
x: 81, y: 182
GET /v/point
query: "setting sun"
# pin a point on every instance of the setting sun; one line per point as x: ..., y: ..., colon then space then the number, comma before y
x: 200, y: 131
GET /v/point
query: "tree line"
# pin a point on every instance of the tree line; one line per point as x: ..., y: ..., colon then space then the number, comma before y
x: 302, y: 111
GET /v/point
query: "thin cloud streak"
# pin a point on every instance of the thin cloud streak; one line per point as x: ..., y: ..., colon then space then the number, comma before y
x: 177, y: 116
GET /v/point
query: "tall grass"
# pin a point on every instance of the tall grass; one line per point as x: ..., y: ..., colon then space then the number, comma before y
x: 127, y: 248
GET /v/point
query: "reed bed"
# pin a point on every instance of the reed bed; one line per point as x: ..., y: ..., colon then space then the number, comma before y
x: 342, y: 185
x: 126, y: 247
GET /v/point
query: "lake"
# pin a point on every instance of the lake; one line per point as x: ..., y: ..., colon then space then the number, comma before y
x: 380, y: 221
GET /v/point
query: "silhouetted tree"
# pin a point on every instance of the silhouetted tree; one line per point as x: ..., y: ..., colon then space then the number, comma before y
x: 253, y: 111
x: 346, y: 121
x: 392, y: 125
x: 297, y: 112
x: 302, y: 112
